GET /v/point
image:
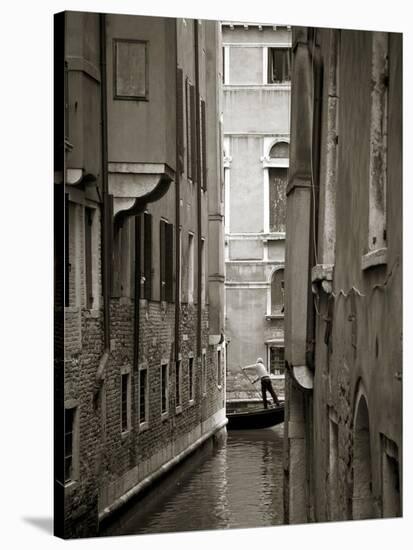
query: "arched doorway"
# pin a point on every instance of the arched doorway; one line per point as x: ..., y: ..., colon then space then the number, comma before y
x: 362, y: 488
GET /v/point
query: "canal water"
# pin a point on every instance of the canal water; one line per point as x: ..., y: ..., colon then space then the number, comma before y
x: 236, y: 484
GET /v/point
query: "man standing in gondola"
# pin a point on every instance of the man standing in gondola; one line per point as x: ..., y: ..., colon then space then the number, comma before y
x: 266, y: 385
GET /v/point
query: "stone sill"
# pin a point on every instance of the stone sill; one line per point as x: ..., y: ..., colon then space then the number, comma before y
x: 164, y: 416
x: 373, y: 258
x: 178, y: 410
x: 276, y: 316
x: 143, y: 426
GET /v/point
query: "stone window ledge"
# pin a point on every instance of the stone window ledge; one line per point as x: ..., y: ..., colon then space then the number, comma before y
x: 143, y: 426
x: 373, y: 258
x: 274, y: 316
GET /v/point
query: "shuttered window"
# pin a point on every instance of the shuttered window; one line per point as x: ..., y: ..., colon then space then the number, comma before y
x: 188, y: 129
x: 166, y: 261
x: 194, y: 163
x: 147, y: 255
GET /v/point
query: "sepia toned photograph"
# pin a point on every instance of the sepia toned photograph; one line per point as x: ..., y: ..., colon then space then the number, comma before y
x: 228, y: 250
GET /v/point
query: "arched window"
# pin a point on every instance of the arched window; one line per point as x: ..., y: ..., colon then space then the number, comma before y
x: 280, y: 150
x: 277, y: 292
x: 362, y: 489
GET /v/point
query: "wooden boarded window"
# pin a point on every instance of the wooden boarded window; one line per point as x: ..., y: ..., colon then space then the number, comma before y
x: 204, y: 146
x: 131, y: 70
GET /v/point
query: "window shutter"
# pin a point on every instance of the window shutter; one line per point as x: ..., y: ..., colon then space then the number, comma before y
x: 188, y: 129
x: 193, y: 133
x: 204, y: 148
x: 162, y: 243
x: 169, y: 247
x: 180, y: 117
x: 147, y: 255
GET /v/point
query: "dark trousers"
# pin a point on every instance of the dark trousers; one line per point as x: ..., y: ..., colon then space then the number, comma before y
x: 267, y: 386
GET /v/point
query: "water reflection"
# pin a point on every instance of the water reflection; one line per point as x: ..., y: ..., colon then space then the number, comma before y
x: 236, y: 485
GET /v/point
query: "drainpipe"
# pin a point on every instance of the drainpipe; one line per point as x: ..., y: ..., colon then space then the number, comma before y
x: 198, y: 183
x: 177, y: 204
x: 106, y: 207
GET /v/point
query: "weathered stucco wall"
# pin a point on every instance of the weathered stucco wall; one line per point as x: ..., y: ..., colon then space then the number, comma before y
x: 351, y: 447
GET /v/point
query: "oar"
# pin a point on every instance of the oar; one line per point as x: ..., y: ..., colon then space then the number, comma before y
x: 252, y: 384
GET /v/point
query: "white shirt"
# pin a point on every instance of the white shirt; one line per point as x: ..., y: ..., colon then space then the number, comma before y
x: 260, y: 370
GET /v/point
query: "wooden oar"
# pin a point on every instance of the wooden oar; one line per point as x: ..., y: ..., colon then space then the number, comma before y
x: 248, y: 378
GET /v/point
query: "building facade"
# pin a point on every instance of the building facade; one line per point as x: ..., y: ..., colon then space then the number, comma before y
x: 343, y: 425
x: 139, y: 258
x: 256, y: 120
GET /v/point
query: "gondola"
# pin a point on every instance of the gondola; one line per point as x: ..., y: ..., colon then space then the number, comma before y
x: 255, y: 419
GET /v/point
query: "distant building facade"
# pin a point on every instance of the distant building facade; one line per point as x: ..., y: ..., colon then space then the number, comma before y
x: 139, y: 259
x: 256, y: 120
x: 343, y: 425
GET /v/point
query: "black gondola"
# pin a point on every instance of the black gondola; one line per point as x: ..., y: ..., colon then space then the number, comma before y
x: 255, y: 419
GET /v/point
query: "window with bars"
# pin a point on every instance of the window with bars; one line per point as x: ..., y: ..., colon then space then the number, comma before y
x: 70, y: 416
x: 277, y: 360
x: 191, y: 271
x: 279, y: 65
x: 204, y: 373
x: 191, y: 378
x: 125, y: 402
x: 164, y: 388
x: 178, y: 384
x: 219, y: 368
x: 143, y: 395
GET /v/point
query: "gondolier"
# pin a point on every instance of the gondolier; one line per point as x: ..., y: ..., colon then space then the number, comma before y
x: 266, y: 385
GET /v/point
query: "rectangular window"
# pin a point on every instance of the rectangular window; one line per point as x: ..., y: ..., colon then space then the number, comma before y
x: 279, y: 65
x: 277, y: 360
x: 278, y: 179
x: 191, y: 378
x: 178, y: 384
x: 143, y: 395
x: 147, y: 255
x: 70, y: 417
x: 88, y: 257
x: 166, y: 261
x: 188, y: 129
x: 194, y: 160
x: 164, y: 388
x: 219, y: 368
x: 125, y: 402
x: 204, y: 373
x: 131, y: 70
x: 190, y: 268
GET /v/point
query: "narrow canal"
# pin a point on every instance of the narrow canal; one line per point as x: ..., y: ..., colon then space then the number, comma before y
x: 236, y: 484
